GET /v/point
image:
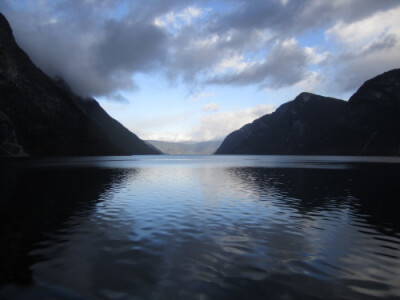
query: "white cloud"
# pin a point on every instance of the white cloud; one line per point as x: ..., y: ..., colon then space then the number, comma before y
x: 180, y: 18
x: 367, y: 47
x: 219, y: 125
x: 361, y: 34
x: 198, y: 96
x: 211, y: 107
x: 158, y: 123
x: 211, y: 126
x: 234, y: 63
x: 312, y: 83
x: 191, y: 12
x: 284, y: 65
x: 316, y: 57
x: 288, y: 43
x: 208, y: 41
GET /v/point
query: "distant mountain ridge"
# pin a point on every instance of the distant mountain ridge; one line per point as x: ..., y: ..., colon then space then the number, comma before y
x: 367, y: 124
x: 38, y: 116
x: 195, y: 148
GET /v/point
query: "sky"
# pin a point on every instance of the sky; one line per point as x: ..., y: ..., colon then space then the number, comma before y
x: 187, y: 70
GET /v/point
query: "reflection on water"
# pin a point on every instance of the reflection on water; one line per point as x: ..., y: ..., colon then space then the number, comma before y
x: 225, y: 227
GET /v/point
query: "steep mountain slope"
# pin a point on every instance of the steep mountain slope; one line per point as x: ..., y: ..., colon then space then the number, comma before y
x: 291, y: 129
x: 368, y: 124
x: 39, y: 117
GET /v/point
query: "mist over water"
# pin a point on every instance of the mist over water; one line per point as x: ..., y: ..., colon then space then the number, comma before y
x: 201, y: 227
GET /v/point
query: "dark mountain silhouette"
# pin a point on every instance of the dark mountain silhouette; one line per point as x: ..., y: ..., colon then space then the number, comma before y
x: 291, y: 129
x: 368, y: 124
x: 39, y: 116
x: 370, y: 121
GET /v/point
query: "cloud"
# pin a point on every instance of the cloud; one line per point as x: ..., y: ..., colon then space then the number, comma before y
x: 315, y: 57
x: 176, y: 20
x: 160, y: 122
x: 118, y: 97
x: 286, y: 64
x: 368, y: 47
x: 235, y: 63
x: 294, y: 17
x: 213, y: 126
x: 198, y: 96
x: 198, y: 54
x: 96, y: 53
x: 192, y: 56
x: 218, y: 125
x: 128, y: 46
x: 362, y: 33
x: 99, y: 49
x: 211, y: 107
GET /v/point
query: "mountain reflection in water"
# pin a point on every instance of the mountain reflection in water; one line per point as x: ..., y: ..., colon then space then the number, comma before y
x: 209, y: 227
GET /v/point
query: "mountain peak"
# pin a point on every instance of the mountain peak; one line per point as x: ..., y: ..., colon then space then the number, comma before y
x: 305, y: 97
x: 368, y: 124
x: 382, y: 90
x: 291, y: 129
x: 5, y: 29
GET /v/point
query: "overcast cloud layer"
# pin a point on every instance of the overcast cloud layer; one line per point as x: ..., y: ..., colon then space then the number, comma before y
x: 99, y: 46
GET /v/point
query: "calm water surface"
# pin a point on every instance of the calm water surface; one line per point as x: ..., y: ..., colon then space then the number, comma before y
x: 200, y: 227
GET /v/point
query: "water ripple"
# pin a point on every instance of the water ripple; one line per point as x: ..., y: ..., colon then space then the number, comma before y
x: 196, y: 230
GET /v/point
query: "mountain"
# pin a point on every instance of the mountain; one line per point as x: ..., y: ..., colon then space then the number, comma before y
x: 291, y: 129
x: 200, y: 148
x: 39, y: 116
x: 370, y: 122
x: 367, y: 124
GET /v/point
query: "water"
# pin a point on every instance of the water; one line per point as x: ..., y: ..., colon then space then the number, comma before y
x: 200, y: 227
